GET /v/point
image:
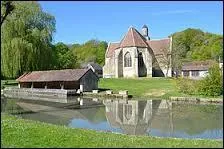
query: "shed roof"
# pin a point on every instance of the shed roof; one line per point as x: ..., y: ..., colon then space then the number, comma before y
x: 53, y: 75
x: 96, y: 66
x: 197, y: 65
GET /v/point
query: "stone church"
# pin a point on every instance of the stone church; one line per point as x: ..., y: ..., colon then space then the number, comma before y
x: 138, y: 56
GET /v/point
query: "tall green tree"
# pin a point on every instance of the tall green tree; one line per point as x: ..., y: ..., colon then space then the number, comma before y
x: 6, y: 8
x: 194, y: 44
x: 64, y: 57
x: 26, y: 39
x: 91, y: 51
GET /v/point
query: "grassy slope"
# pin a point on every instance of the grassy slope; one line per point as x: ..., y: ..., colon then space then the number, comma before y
x: 17, y: 132
x: 151, y: 87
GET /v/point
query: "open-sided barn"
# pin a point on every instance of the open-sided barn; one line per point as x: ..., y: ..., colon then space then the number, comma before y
x: 83, y: 79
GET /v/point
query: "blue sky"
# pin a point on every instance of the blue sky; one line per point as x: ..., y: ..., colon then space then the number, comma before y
x: 80, y: 21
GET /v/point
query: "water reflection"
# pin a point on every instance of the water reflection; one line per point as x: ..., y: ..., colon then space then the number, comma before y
x: 161, y: 118
x: 134, y: 117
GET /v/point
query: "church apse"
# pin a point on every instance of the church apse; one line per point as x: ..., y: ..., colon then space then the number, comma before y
x: 138, y: 53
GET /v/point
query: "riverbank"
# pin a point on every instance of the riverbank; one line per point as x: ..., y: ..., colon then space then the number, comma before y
x: 17, y: 132
x: 140, y: 88
x: 161, y: 88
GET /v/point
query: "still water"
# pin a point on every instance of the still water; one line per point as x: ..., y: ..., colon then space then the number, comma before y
x: 161, y: 118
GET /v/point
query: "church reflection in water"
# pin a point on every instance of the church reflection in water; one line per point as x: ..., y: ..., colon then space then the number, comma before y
x: 163, y: 118
x: 134, y: 117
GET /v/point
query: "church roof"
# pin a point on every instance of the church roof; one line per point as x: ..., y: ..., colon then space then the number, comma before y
x: 133, y: 39
x: 111, y: 48
x: 158, y: 46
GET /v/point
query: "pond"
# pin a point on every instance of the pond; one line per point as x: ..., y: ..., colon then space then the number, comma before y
x: 161, y: 118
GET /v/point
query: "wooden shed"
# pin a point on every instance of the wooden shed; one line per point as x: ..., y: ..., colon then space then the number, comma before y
x: 83, y: 79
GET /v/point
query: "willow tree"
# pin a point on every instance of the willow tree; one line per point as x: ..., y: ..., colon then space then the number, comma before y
x: 26, y: 38
x: 6, y: 9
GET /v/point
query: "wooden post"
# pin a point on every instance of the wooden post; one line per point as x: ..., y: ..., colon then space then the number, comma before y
x: 81, y: 87
x: 81, y: 102
x: 45, y: 86
x: 62, y: 85
x: 78, y: 99
x: 32, y: 85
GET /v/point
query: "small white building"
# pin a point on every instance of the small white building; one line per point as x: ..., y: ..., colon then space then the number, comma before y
x: 196, y: 69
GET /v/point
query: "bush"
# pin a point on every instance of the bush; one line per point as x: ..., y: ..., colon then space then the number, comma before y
x: 212, y: 85
x: 187, y: 86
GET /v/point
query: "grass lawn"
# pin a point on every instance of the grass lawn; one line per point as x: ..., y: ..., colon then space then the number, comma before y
x: 17, y: 132
x: 142, y: 87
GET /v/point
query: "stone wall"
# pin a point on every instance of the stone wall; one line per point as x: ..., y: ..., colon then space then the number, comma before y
x: 147, y: 58
x: 37, y: 92
x: 108, y: 68
x: 133, y: 70
x: 160, y: 66
x: 202, y: 74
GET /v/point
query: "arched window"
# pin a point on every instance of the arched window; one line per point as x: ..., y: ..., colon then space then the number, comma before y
x: 127, y: 60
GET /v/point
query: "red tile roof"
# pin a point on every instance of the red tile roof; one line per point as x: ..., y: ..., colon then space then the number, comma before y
x: 111, y: 48
x: 197, y: 65
x: 53, y: 75
x: 133, y: 39
x: 159, y: 45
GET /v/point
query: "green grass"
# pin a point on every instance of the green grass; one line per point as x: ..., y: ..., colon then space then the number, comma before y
x: 161, y: 88
x: 17, y: 132
x: 143, y: 87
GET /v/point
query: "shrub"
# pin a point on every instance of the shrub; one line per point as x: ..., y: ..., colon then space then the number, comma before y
x: 212, y: 85
x: 187, y: 86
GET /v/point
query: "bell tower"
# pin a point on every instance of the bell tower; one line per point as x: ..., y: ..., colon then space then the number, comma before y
x: 145, y: 32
